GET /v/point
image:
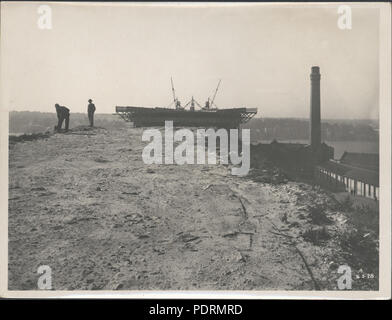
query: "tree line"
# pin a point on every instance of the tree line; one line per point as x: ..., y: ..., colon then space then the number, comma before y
x: 298, y: 129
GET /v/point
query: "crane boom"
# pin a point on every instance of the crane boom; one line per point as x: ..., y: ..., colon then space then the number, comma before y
x: 174, y: 93
x: 216, y: 90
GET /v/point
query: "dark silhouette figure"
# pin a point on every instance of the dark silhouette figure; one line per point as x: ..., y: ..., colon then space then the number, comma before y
x: 90, y: 112
x: 207, y: 106
x: 62, y: 114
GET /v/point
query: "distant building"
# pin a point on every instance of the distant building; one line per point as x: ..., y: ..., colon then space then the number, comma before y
x: 364, y: 160
x: 299, y: 158
x: 295, y: 158
x: 356, y: 173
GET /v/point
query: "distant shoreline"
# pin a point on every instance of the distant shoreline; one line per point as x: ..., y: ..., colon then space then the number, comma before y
x: 256, y: 117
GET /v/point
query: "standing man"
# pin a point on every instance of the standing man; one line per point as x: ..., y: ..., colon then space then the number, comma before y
x: 90, y: 112
x: 62, y: 114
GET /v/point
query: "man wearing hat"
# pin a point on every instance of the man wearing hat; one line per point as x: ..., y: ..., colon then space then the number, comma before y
x: 90, y: 112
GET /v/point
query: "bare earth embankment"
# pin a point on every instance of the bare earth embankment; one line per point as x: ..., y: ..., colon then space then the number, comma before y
x: 85, y: 204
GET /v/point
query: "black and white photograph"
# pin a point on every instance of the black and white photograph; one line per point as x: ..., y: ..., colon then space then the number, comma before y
x: 201, y: 148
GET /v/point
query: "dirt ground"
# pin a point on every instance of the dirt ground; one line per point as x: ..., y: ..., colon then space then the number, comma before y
x: 85, y: 204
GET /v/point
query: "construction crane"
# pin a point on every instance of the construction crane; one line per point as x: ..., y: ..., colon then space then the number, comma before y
x: 209, y: 104
x: 177, y: 102
x: 216, y: 91
x: 192, y: 104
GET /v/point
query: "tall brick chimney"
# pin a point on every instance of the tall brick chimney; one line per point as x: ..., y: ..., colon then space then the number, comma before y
x: 315, y: 121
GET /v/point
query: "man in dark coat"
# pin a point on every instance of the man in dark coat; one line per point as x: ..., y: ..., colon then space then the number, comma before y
x: 62, y: 114
x: 90, y: 112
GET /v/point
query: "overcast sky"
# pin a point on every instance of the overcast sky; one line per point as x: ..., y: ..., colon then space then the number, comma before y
x: 125, y: 55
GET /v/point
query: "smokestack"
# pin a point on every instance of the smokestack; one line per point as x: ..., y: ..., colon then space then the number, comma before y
x: 315, y: 121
